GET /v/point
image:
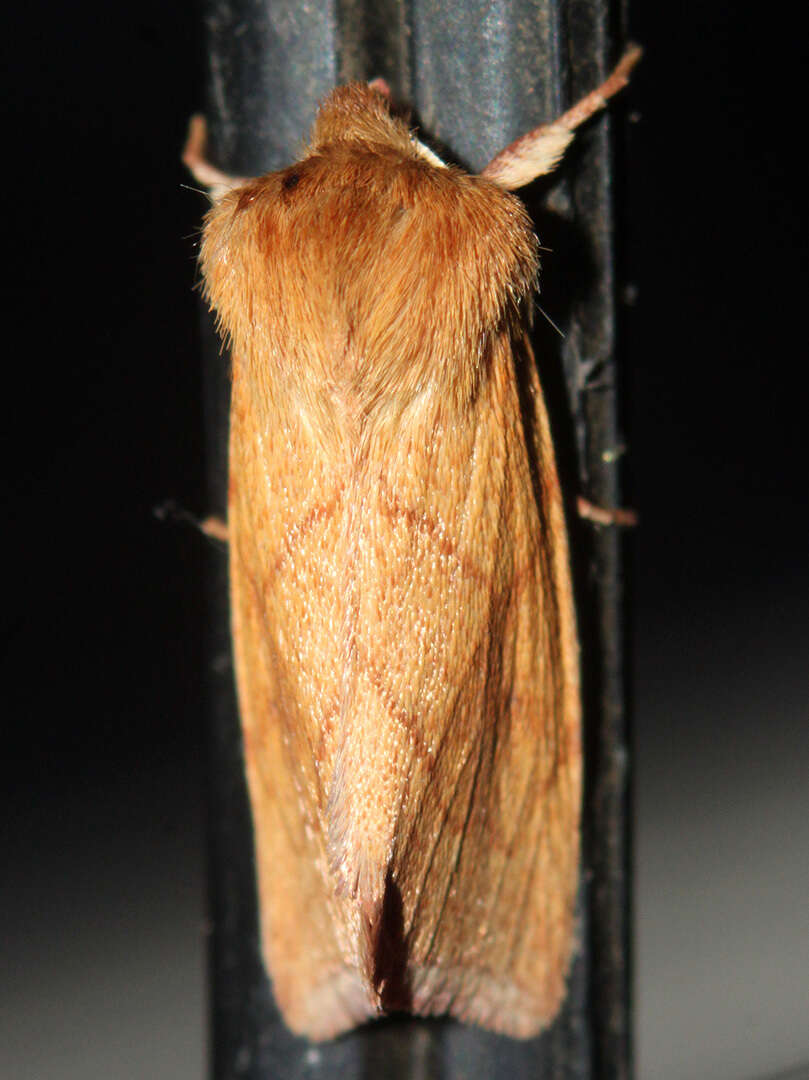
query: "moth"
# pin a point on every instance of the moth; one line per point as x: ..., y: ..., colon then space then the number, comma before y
x: 402, y: 612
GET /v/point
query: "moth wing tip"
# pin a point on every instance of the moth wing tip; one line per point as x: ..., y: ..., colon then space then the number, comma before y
x: 332, y: 1007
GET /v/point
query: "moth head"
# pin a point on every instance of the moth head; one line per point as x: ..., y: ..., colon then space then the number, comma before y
x: 362, y: 113
x: 369, y: 262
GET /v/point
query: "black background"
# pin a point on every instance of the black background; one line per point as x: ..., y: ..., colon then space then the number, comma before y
x: 101, y: 615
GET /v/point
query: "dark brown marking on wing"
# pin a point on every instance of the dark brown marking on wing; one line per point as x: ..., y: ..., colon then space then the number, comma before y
x: 295, y: 534
x: 397, y: 712
x: 422, y: 522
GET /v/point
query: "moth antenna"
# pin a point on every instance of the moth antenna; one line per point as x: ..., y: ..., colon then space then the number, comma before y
x: 217, y: 182
x: 539, y: 151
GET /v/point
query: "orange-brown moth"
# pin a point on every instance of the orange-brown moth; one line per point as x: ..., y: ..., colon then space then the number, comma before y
x: 403, y: 622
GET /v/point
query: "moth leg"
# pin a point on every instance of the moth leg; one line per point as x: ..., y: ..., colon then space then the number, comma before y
x: 603, y: 515
x: 539, y: 151
x: 597, y: 99
x: 217, y: 182
x: 215, y: 527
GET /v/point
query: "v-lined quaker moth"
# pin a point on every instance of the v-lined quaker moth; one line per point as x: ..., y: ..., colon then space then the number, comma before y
x: 402, y: 611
